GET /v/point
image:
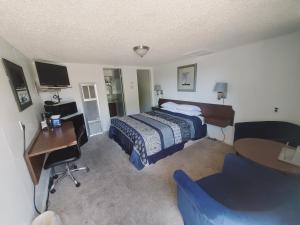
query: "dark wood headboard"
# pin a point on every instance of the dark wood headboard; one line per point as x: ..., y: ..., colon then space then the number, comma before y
x: 219, y: 115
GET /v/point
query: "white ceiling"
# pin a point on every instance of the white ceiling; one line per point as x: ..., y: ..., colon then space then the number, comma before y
x: 103, y: 31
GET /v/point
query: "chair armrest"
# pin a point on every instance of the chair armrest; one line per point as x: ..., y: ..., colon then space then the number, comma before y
x: 199, y: 198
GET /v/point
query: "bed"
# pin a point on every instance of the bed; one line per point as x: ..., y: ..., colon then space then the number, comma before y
x: 149, y: 137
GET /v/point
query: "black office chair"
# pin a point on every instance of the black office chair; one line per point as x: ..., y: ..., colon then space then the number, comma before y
x: 65, y: 156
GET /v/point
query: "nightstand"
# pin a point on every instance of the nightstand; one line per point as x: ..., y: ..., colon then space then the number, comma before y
x: 219, y: 122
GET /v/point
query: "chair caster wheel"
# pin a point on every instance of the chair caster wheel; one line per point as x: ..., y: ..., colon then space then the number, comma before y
x: 87, y: 170
x: 55, y: 176
x: 74, y: 166
x: 77, y: 185
x: 52, y: 191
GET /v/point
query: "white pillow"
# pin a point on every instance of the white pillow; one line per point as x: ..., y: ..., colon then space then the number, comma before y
x: 189, y: 112
x: 169, y: 105
x: 188, y: 107
x: 185, y: 112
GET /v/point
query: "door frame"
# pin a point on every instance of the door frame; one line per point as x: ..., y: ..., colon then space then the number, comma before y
x: 122, y: 86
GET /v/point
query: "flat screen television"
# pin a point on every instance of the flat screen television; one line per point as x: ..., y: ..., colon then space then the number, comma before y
x: 52, y: 75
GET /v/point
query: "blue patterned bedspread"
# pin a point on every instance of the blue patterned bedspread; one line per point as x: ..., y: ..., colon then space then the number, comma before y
x: 150, y: 133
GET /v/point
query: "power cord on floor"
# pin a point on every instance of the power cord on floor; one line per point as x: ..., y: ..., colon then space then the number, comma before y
x: 36, y: 209
x: 24, y: 149
x: 223, y: 134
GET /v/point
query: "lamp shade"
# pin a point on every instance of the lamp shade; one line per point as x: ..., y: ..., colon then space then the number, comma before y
x: 221, y: 87
x: 157, y: 87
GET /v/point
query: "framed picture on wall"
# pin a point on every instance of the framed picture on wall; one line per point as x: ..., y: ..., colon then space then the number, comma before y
x: 186, y: 77
x: 18, y: 84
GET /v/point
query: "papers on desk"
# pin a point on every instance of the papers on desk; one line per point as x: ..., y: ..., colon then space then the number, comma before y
x: 290, y: 155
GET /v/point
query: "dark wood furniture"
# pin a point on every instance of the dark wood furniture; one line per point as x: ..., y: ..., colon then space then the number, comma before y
x: 62, y: 109
x: 279, y: 131
x: 155, y: 107
x: 112, y: 109
x: 217, y: 115
x: 46, y: 142
x: 264, y: 152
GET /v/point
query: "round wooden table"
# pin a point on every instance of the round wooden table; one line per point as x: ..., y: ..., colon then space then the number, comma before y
x: 264, y: 152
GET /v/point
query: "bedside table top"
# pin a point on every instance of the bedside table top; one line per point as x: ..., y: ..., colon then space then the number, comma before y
x: 217, y: 122
x: 155, y: 107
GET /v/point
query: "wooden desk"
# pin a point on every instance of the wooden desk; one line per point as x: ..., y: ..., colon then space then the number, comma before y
x: 48, y: 141
x: 264, y: 152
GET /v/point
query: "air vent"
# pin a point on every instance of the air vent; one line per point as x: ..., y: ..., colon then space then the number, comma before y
x: 195, y: 53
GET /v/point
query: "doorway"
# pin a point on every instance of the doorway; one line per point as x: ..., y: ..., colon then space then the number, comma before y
x: 144, y: 89
x: 114, y: 92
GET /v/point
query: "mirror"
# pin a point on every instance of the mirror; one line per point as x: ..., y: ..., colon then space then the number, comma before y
x: 18, y: 84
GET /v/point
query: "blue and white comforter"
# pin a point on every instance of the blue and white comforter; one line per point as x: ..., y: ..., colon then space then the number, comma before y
x: 155, y: 131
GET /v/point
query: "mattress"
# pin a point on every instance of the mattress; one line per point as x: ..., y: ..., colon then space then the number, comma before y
x: 149, y: 137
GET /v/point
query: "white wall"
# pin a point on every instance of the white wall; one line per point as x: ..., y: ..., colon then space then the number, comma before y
x: 84, y: 73
x: 261, y: 76
x: 16, y: 189
x: 80, y: 73
x: 131, y: 94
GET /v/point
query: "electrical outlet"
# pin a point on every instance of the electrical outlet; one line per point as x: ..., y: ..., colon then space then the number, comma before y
x: 276, y: 109
x: 21, y: 125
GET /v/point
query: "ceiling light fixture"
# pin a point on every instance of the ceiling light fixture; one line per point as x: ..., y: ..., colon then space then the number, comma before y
x: 141, y: 50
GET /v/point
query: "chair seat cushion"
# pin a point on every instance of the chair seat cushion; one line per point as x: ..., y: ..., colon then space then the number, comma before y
x: 251, y: 195
x: 62, y: 156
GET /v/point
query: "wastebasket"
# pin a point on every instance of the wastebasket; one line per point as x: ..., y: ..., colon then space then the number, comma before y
x: 47, y: 218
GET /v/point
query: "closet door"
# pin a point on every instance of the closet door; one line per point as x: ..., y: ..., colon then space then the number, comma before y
x: 91, y: 108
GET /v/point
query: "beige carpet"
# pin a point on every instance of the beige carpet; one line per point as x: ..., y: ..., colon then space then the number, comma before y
x: 115, y: 193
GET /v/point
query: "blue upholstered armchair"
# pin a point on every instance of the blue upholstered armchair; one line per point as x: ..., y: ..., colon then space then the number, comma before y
x: 243, y: 193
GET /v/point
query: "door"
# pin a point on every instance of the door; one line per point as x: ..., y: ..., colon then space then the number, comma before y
x: 144, y: 88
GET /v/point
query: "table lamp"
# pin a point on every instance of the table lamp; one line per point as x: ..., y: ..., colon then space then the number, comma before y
x: 158, y: 89
x: 221, y: 88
